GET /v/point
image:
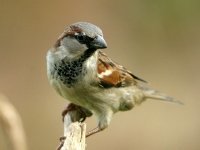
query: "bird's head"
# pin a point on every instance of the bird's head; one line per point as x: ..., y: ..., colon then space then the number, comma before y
x: 80, y: 37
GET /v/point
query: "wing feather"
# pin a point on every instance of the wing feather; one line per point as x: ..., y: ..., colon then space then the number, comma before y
x: 111, y: 74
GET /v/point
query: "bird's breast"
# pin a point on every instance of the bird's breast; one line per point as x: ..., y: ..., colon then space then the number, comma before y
x: 68, y: 72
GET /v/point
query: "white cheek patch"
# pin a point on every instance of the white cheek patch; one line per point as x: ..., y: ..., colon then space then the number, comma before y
x: 73, y: 47
x: 106, y: 73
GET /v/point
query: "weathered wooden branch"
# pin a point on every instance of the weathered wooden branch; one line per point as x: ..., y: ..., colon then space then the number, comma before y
x: 74, y: 132
x: 11, y: 123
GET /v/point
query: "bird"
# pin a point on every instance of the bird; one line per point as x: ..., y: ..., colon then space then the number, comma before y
x: 96, y: 85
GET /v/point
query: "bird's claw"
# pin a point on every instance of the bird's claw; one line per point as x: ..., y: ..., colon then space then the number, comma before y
x: 62, y: 141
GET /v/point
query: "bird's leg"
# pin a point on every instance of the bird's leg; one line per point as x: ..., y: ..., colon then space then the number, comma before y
x: 70, y: 109
x: 93, y: 131
x: 77, y: 113
x: 104, y: 119
x: 62, y: 140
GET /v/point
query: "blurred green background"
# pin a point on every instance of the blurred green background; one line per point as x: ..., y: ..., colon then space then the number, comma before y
x: 157, y: 40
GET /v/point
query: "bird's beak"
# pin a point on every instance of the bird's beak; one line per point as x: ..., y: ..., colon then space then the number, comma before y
x: 99, y: 43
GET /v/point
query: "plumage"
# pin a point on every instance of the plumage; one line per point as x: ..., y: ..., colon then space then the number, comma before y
x: 90, y: 80
x: 111, y: 74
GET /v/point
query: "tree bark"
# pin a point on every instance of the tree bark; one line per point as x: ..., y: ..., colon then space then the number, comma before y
x: 74, y: 132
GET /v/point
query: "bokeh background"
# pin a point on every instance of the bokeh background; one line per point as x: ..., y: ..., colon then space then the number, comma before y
x: 157, y: 40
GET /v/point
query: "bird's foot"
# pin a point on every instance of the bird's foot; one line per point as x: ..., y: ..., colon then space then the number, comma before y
x: 93, y: 131
x: 76, y: 112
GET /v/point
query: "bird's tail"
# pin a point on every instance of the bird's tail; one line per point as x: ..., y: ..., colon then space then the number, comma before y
x: 157, y: 95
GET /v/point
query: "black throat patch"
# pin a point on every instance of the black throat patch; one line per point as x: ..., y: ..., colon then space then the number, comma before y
x: 69, y: 72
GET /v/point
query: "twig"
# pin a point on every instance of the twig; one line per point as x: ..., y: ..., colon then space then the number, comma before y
x: 74, y: 132
x: 12, y: 125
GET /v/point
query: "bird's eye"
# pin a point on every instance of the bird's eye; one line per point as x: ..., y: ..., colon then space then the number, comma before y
x: 83, y: 38
x: 80, y: 37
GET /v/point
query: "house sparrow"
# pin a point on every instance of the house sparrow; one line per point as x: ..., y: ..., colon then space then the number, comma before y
x: 90, y: 80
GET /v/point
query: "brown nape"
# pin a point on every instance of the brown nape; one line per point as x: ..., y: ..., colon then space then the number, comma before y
x: 57, y: 44
x: 69, y: 31
x: 75, y: 29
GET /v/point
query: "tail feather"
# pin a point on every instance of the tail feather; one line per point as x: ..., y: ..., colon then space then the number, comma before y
x: 156, y: 95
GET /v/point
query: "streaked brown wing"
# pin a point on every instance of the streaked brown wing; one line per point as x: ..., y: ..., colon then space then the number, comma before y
x: 111, y: 74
